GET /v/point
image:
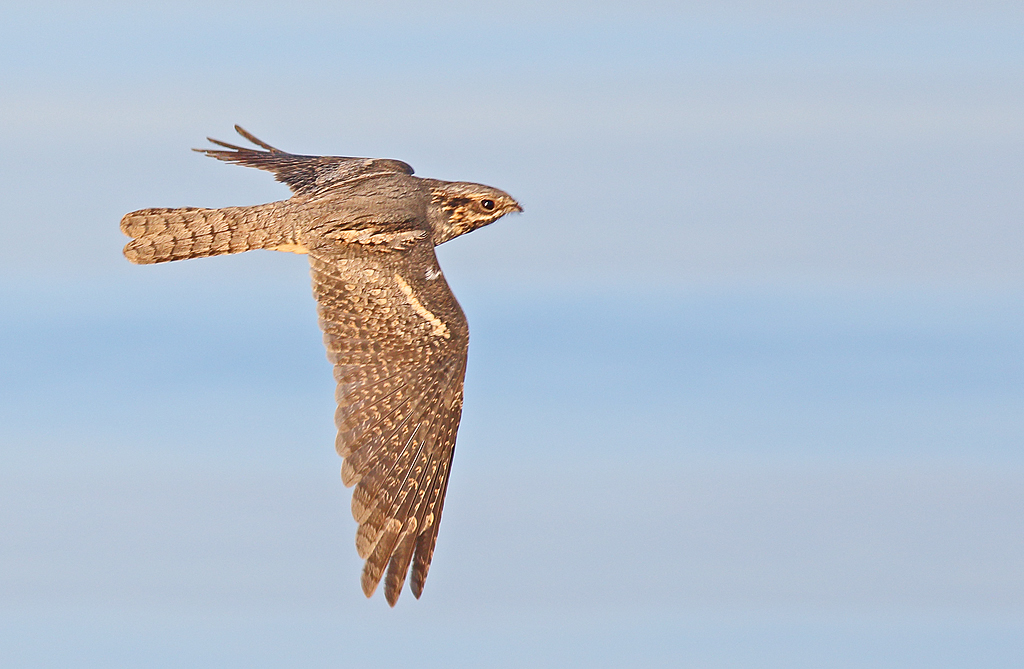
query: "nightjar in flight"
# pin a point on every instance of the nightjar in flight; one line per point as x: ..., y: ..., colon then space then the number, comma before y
x: 393, y: 330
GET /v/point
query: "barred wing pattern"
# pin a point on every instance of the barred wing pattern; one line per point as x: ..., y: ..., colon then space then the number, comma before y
x: 398, y: 341
x: 304, y: 175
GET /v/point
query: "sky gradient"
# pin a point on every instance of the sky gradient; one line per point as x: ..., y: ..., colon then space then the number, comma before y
x: 746, y: 380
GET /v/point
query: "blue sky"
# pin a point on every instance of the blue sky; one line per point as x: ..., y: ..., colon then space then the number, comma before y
x: 745, y: 383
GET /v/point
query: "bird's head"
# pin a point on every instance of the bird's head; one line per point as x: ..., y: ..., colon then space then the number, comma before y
x: 458, y: 207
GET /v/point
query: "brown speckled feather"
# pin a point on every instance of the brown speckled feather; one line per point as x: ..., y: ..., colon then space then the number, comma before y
x: 160, y: 235
x: 392, y: 327
x: 398, y: 340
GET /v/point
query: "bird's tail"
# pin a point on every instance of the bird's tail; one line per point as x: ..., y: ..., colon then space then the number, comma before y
x: 161, y: 235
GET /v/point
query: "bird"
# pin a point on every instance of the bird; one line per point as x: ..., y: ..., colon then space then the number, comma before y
x: 394, y: 332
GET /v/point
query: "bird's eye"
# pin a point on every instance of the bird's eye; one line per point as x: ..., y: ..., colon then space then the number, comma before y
x: 487, y: 204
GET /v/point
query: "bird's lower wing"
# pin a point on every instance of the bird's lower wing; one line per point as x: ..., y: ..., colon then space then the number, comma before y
x: 398, y: 340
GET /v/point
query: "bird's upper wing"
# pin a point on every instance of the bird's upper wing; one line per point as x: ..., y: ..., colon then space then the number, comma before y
x: 398, y: 340
x: 303, y: 174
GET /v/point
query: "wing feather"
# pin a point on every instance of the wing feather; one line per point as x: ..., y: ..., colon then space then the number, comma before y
x: 398, y: 568
x: 381, y: 493
x: 386, y: 486
x: 302, y: 174
x: 398, y: 342
x: 425, y: 542
x: 427, y: 539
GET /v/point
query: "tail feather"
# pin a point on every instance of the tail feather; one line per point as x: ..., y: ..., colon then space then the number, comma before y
x: 162, y: 235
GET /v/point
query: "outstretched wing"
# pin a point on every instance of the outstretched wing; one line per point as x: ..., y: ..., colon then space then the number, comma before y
x: 398, y: 340
x: 303, y: 174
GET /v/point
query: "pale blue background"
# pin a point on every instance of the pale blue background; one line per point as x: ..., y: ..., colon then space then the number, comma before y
x: 746, y: 384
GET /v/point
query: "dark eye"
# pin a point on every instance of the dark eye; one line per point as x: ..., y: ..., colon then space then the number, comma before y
x: 487, y: 204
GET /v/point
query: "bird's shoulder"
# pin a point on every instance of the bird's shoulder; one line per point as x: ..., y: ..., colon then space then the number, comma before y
x: 387, y: 212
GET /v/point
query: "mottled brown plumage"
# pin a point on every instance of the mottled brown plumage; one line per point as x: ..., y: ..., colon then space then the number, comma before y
x: 392, y: 327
